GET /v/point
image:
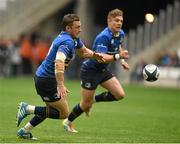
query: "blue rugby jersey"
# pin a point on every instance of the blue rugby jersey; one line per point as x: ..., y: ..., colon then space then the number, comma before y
x: 63, y: 43
x: 105, y: 42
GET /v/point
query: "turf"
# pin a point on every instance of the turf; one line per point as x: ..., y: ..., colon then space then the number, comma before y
x: 146, y: 115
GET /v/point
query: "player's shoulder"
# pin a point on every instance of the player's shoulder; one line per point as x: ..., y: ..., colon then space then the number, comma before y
x: 63, y: 37
x: 104, y: 34
x: 121, y: 32
x: 107, y: 33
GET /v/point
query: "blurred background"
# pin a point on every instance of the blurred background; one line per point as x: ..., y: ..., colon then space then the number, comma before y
x: 27, y: 28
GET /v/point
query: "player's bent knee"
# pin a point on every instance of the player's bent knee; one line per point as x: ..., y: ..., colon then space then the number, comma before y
x: 86, y: 106
x: 63, y: 115
x: 120, y: 96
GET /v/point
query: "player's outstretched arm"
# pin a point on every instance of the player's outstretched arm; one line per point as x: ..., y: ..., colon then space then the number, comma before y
x: 110, y: 58
x: 87, y: 53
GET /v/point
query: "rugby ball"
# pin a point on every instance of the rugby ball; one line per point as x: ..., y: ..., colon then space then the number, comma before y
x: 151, y: 72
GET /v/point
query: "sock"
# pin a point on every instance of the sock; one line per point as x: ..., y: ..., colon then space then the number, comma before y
x: 105, y: 96
x: 35, y: 121
x: 41, y: 113
x: 48, y: 112
x: 76, y: 112
x: 28, y: 127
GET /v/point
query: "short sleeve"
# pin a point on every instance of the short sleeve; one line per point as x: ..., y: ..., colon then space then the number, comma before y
x: 101, y: 45
x: 79, y: 43
x: 66, y: 47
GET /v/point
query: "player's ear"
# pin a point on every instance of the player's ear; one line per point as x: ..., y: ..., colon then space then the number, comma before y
x: 68, y: 28
x: 108, y: 20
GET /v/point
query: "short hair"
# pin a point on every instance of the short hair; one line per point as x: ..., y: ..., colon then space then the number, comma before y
x: 68, y: 20
x: 115, y: 12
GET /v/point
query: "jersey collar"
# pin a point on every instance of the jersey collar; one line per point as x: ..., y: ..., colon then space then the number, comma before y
x: 114, y: 35
x: 64, y: 32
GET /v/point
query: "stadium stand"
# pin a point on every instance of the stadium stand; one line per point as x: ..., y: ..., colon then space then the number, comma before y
x: 21, y: 16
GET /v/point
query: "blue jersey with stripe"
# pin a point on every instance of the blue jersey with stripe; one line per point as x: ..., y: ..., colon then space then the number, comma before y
x: 63, y: 43
x: 105, y: 42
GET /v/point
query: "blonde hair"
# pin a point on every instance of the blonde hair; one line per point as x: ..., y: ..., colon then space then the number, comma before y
x: 115, y: 12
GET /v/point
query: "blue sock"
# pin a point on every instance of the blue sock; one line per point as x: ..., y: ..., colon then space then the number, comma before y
x: 76, y: 112
x: 47, y: 112
x: 105, y: 96
x: 37, y: 120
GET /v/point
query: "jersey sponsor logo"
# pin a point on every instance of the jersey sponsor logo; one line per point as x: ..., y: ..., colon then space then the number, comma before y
x: 101, y: 45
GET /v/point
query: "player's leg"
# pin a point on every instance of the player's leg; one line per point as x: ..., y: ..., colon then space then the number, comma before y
x: 89, y: 83
x: 41, y: 113
x: 115, y: 91
x: 57, y: 107
x: 52, y: 110
x: 86, y: 100
x: 84, y: 106
x: 47, y: 89
x: 61, y: 106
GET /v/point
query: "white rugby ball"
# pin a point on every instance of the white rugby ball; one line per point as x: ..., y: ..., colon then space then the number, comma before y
x: 151, y: 73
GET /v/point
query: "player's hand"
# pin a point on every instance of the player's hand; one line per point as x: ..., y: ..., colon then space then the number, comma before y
x: 98, y: 57
x: 124, y: 54
x: 125, y: 65
x: 62, y: 91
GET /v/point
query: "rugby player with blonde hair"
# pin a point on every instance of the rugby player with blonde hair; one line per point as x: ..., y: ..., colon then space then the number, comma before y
x: 109, y: 42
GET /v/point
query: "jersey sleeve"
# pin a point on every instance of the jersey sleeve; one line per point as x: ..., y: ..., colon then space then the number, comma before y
x: 101, y: 45
x: 79, y: 43
x: 66, y: 47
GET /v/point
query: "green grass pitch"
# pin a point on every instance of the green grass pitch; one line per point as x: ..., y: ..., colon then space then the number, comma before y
x: 146, y: 115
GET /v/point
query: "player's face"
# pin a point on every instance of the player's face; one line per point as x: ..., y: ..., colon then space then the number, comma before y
x: 75, y: 29
x: 115, y: 23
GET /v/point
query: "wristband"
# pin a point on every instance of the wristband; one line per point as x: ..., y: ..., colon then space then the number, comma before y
x: 116, y: 56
